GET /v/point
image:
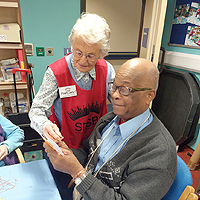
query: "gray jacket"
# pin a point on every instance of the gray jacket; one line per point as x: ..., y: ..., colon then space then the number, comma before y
x: 144, y: 169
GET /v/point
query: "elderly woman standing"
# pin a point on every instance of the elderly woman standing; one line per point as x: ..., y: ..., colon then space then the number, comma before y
x: 73, y: 94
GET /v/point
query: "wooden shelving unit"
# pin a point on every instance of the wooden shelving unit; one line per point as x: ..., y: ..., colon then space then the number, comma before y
x: 10, y: 12
x: 10, y: 86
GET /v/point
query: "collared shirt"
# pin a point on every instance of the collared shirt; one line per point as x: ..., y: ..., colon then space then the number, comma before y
x: 48, y: 92
x: 85, y: 76
x: 119, y: 133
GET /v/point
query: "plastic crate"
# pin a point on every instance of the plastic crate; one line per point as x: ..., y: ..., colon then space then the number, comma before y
x: 7, y: 73
x: 22, y: 105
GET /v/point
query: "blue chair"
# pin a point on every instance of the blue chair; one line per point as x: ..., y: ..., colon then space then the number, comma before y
x: 182, y: 180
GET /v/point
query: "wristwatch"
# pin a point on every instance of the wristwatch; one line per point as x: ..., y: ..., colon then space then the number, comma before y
x: 78, y: 180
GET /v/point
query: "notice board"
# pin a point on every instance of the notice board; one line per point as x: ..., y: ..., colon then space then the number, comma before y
x: 185, y: 29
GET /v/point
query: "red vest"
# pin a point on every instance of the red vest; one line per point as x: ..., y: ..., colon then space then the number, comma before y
x: 80, y: 113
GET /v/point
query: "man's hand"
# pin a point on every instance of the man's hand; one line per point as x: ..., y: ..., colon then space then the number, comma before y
x: 3, y: 151
x: 52, y: 131
x: 66, y: 163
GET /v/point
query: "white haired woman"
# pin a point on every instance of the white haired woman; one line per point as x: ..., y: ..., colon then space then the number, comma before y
x: 73, y: 94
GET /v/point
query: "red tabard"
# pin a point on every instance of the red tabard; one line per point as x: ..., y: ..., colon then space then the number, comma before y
x: 80, y: 113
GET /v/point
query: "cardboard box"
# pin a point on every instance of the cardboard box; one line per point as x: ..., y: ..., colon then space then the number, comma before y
x: 10, y: 32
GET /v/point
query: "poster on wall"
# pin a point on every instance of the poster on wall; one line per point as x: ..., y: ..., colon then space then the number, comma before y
x: 193, y: 36
x: 186, y: 24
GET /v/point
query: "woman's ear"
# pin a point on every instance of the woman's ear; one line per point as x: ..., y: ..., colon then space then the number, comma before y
x: 102, y: 57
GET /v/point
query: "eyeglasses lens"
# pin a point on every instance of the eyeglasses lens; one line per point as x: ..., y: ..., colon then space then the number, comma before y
x: 89, y: 57
x: 122, y: 89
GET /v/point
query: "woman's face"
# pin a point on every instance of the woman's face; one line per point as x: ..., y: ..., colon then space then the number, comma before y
x: 82, y: 63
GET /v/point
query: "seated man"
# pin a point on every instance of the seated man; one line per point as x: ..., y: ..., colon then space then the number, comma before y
x: 130, y: 154
x: 11, y: 138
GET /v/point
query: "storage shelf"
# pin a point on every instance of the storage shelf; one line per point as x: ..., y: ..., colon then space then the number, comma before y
x: 10, y: 12
x: 10, y: 85
x: 4, y: 45
x: 8, y: 4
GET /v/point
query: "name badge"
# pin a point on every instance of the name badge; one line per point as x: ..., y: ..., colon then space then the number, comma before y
x: 67, y: 91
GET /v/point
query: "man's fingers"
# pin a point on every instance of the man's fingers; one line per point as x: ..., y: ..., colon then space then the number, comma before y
x: 66, y: 151
x: 62, y: 144
x: 47, y: 148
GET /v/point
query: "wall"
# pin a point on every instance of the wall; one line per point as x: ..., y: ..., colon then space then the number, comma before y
x: 124, y: 21
x: 47, y: 23
x: 190, y: 51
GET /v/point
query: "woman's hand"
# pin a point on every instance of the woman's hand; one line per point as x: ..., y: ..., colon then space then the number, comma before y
x: 66, y: 163
x: 3, y: 151
x: 53, y: 132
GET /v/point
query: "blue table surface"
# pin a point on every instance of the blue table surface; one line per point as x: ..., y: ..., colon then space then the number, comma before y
x: 28, y: 181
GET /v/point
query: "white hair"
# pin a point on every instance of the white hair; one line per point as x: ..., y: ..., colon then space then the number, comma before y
x: 94, y: 30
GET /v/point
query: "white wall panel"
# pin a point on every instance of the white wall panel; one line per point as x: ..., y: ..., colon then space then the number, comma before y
x: 190, y: 62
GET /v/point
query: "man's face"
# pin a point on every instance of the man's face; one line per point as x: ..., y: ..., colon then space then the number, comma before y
x: 127, y: 107
x: 82, y: 64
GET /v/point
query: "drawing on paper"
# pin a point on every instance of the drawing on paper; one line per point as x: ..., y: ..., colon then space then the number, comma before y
x: 7, y: 185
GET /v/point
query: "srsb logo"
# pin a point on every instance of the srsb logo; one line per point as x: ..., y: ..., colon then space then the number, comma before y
x: 87, y: 125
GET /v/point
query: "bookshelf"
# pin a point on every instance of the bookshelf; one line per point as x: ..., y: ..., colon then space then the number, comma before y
x: 10, y: 12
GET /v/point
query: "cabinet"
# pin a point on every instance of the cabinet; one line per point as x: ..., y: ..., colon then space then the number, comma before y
x: 10, y: 13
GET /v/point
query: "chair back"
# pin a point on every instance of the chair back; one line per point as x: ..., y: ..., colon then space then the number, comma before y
x: 177, y: 104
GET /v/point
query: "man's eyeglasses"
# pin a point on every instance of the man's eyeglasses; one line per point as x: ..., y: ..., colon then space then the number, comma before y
x: 89, y: 57
x: 123, y: 90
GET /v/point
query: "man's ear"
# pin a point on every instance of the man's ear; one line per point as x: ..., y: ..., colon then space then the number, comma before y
x: 151, y: 95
